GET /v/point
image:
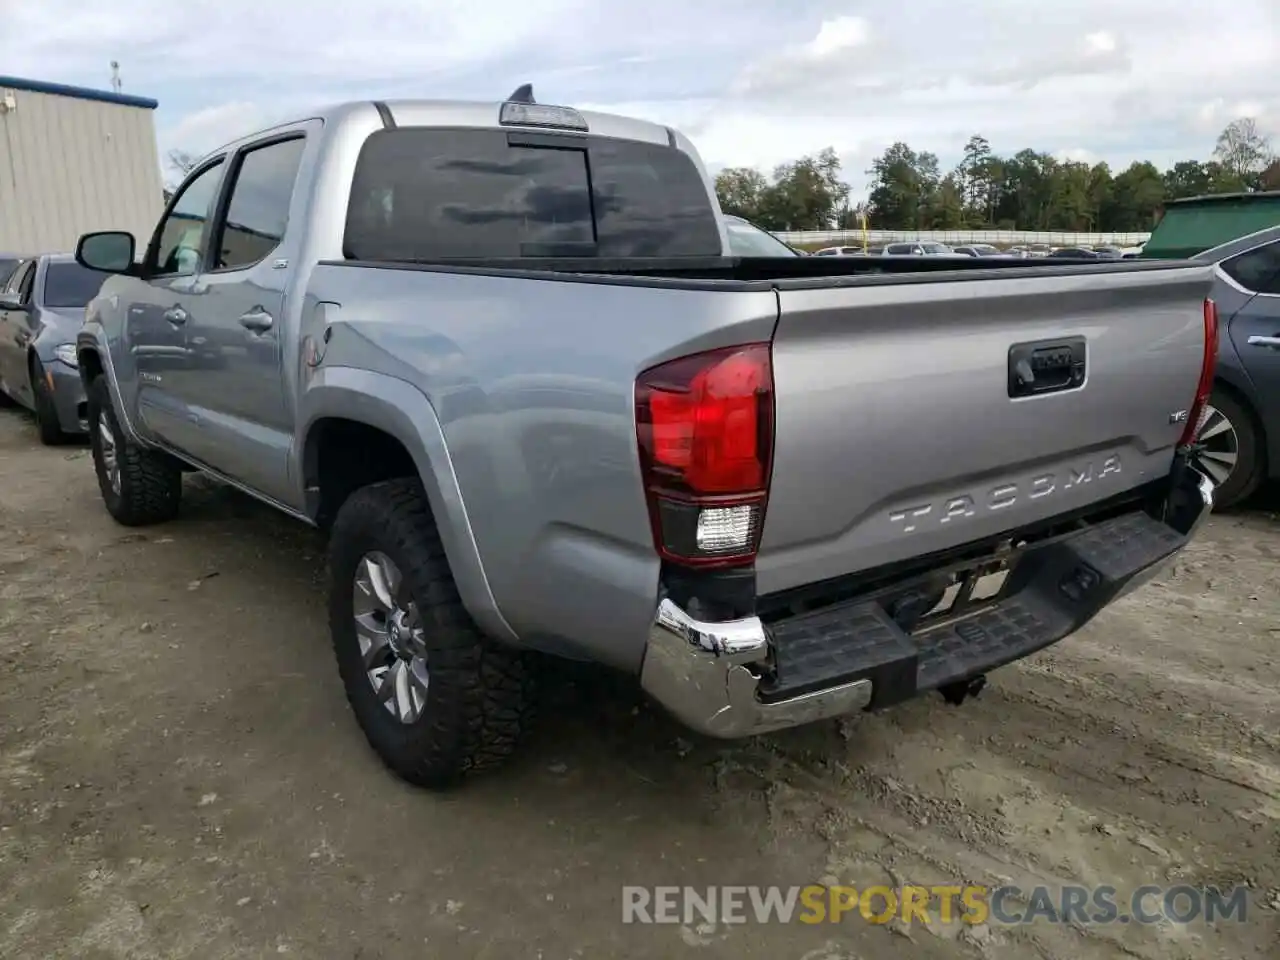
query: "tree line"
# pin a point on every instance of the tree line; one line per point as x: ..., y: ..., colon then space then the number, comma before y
x: 1029, y: 190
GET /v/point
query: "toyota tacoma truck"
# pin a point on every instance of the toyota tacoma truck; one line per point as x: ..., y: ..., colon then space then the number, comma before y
x: 501, y: 354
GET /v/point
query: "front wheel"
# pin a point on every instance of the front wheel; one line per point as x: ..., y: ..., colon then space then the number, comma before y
x: 140, y: 487
x: 436, y: 699
x: 1229, y: 449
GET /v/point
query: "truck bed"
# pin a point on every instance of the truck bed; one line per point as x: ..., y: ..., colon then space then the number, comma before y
x: 763, y: 272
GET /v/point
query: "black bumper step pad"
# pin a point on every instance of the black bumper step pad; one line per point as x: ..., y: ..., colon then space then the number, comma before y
x: 1051, y: 591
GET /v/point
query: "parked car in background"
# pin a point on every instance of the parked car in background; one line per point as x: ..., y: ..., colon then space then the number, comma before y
x: 1074, y: 253
x: 918, y: 248
x: 839, y: 252
x: 1239, y: 434
x: 1108, y: 252
x: 748, y: 240
x: 41, y: 309
x: 981, y: 250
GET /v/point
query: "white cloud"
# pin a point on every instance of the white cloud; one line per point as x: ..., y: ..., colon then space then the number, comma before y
x: 211, y: 126
x: 753, y: 83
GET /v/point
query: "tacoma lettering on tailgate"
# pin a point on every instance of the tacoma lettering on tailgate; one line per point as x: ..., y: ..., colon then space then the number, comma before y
x: 1002, y: 495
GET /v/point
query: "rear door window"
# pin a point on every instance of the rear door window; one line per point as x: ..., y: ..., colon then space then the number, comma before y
x: 1257, y: 270
x: 258, y: 213
x: 16, y: 275
x: 26, y: 282
x: 431, y: 194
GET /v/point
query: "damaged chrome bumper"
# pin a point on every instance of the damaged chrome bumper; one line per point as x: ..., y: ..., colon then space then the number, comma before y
x: 702, y: 673
x: 708, y: 675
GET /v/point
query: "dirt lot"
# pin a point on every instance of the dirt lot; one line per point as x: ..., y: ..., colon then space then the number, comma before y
x: 180, y: 777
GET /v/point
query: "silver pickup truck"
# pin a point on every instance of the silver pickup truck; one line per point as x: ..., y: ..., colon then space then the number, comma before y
x: 499, y: 353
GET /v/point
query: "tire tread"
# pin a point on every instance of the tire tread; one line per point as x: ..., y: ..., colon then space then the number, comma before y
x: 150, y: 481
x: 481, y: 696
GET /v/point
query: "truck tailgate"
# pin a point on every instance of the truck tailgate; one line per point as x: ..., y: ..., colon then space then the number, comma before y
x: 896, y: 434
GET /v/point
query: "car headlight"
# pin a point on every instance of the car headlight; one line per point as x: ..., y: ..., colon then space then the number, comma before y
x: 66, y: 353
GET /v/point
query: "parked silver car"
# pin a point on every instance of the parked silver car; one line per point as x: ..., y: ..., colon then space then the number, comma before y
x: 41, y: 308
x: 918, y: 248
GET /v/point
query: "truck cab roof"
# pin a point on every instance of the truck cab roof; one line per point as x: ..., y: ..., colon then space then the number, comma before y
x: 460, y: 113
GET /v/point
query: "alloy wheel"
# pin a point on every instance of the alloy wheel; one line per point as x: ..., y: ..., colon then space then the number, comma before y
x: 1219, y: 445
x: 389, y: 629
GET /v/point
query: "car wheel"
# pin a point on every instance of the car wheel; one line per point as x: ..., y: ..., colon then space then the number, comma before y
x: 1228, y: 449
x: 46, y: 411
x: 140, y: 487
x: 435, y: 698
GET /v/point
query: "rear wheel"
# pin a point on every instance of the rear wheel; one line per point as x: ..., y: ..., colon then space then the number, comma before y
x: 436, y: 698
x: 46, y: 410
x: 139, y: 486
x: 1230, y: 449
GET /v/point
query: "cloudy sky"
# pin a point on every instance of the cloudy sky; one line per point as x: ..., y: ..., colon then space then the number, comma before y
x: 753, y: 82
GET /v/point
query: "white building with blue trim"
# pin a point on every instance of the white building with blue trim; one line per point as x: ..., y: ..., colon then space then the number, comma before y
x: 74, y: 160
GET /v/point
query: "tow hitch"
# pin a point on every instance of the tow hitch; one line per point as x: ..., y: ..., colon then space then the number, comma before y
x: 956, y: 693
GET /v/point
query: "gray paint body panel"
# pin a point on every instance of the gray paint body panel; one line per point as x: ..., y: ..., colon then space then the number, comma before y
x: 896, y: 436
x: 515, y: 397
x: 1252, y: 371
x: 532, y: 382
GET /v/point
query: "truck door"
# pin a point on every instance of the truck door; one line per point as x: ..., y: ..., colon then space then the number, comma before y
x: 238, y: 334
x: 158, y: 311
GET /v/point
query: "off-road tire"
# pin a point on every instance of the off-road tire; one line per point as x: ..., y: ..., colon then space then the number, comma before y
x: 50, y: 430
x: 481, y: 695
x: 1249, y: 471
x: 150, y: 481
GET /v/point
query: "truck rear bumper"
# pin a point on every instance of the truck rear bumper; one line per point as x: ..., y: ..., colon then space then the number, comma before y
x: 744, y: 677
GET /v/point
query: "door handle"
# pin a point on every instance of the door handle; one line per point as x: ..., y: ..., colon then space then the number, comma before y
x: 1256, y: 341
x: 257, y: 320
x: 177, y: 316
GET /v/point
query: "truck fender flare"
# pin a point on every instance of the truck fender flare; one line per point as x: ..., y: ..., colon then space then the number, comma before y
x: 90, y: 340
x: 402, y: 411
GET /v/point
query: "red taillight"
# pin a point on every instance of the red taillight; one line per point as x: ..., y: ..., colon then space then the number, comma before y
x: 705, y: 428
x: 1208, y: 364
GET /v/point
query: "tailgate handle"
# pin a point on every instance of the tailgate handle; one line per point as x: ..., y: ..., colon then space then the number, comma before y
x: 1046, y: 366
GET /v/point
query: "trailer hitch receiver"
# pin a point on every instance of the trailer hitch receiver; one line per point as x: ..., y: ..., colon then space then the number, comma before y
x: 956, y: 693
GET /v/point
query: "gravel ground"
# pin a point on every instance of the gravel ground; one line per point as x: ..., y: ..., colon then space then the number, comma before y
x: 180, y: 776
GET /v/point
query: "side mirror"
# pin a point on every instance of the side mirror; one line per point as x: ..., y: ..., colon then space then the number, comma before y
x: 11, y: 303
x: 109, y: 251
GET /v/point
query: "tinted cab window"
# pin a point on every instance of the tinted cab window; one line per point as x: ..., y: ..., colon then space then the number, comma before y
x: 180, y: 243
x: 430, y: 194
x: 259, y: 209
x: 748, y: 240
x: 1257, y: 270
